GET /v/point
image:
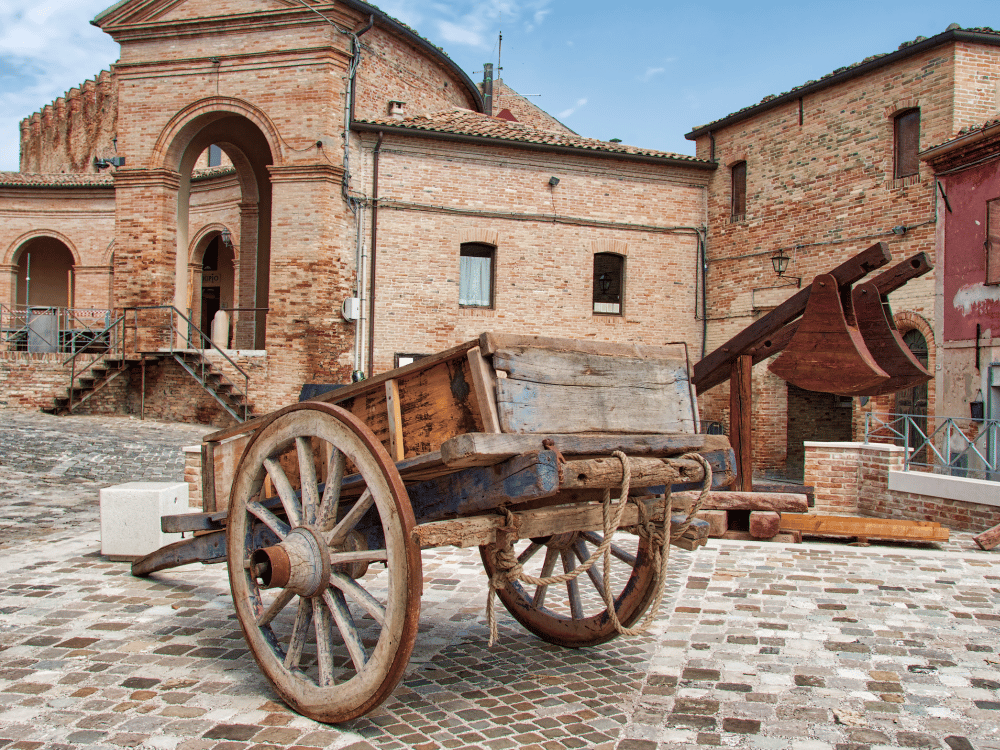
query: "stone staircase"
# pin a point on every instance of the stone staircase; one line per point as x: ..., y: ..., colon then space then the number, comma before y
x: 109, y: 368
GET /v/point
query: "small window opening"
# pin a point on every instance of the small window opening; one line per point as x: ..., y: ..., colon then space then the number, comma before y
x: 739, y: 190
x: 214, y: 156
x: 475, y: 286
x: 907, y: 134
x: 609, y: 283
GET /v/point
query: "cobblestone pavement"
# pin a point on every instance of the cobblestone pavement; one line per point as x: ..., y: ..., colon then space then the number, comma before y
x: 806, y: 647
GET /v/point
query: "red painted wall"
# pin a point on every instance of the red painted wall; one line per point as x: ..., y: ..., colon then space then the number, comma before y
x: 967, y: 299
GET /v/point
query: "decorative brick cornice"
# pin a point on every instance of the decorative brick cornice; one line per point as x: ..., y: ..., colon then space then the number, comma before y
x: 160, y: 178
x: 307, y: 173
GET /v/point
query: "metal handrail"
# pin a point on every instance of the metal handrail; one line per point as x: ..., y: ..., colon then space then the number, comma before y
x: 189, y: 336
x: 74, y: 326
x: 113, y: 336
x: 948, y: 447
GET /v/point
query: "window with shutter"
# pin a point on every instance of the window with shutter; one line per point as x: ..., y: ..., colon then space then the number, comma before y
x: 993, y: 241
x: 907, y: 128
x: 739, y: 192
x: 609, y: 283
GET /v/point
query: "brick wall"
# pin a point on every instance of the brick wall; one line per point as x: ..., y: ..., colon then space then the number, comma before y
x: 31, y: 381
x: 853, y: 479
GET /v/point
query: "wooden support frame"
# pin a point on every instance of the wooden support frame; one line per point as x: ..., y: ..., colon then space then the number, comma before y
x: 397, y: 450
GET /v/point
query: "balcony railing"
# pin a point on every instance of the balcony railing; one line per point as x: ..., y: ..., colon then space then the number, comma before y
x: 955, y: 446
x: 65, y: 330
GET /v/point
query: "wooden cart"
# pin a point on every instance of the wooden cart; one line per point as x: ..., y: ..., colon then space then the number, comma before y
x: 507, y: 443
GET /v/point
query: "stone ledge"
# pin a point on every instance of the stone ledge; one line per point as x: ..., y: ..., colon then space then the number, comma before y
x: 965, y: 490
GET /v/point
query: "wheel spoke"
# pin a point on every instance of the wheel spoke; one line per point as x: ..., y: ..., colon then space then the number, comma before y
x: 366, y: 601
x: 288, y: 500
x: 303, y: 618
x: 331, y: 492
x: 361, y: 555
x: 551, y: 555
x: 334, y: 599
x: 529, y: 552
x: 349, y: 521
x: 280, y: 602
x: 595, y: 575
x: 572, y: 587
x: 275, y: 524
x: 619, y: 552
x: 307, y: 478
x: 324, y: 642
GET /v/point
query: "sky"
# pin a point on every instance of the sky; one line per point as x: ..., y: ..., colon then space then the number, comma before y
x: 644, y: 71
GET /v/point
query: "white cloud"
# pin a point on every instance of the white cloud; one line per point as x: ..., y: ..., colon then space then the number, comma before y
x: 46, y: 48
x: 452, y: 32
x: 650, y: 72
x: 567, y: 112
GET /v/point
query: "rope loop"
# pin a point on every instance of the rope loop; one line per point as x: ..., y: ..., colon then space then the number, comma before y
x: 508, y: 569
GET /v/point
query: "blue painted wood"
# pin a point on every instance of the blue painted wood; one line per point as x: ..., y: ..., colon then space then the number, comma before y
x: 529, y: 476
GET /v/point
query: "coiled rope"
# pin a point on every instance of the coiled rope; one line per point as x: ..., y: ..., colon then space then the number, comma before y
x: 508, y: 569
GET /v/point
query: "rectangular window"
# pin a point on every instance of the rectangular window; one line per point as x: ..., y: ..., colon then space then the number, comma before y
x: 739, y: 192
x: 403, y: 359
x: 993, y: 241
x: 907, y: 130
x: 609, y: 283
x: 214, y: 156
x: 475, y: 275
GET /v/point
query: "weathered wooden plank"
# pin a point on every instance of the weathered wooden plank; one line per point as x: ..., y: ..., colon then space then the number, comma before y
x: 484, y: 386
x: 491, y: 342
x: 480, y: 530
x: 764, y: 524
x: 723, y: 464
x: 714, y: 368
x: 789, y: 537
x: 584, y: 369
x: 477, y: 489
x: 989, y: 538
x: 870, y: 528
x: 395, y: 420
x: 717, y: 520
x: 776, y: 501
x: 645, y: 472
x: 481, y: 449
x: 531, y: 407
x: 208, y: 502
x: 226, y: 457
x: 740, y: 422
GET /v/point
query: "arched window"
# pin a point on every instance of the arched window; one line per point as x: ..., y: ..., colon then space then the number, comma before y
x: 475, y: 275
x: 906, y: 127
x: 609, y: 283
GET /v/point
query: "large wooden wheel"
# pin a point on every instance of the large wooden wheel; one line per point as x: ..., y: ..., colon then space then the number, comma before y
x: 574, y: 613
x: 326, y: 587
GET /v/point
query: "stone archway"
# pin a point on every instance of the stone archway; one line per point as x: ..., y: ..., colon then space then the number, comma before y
x: 43, y: 273
x: 213, y: 278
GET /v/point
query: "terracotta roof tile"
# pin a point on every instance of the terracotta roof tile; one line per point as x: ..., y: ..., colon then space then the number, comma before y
x: 465, y: 122
x: 73, y: 179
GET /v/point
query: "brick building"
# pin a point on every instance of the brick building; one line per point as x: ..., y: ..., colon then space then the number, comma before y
x: 279, y: 159
x: 817, y: 174
x: 231, y: 158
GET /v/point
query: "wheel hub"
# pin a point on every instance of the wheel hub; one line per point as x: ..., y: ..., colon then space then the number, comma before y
x: 300, y: 563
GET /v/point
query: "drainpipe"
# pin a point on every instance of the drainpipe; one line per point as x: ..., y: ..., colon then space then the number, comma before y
x: 349, y: 110
x: 703, y: 260
x: 361, y: 260
x: 371, y: 318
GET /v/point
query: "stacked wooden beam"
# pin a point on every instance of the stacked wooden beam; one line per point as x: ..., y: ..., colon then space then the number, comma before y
x: 746, y: 515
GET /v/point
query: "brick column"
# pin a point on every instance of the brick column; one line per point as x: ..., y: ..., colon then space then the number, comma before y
x: 245, y: 285
x: 8, y: 283
x: 832, y: 468
x: 146, y: 249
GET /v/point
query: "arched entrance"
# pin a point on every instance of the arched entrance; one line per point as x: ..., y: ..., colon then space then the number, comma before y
x: 44, y: 273
x: 913, y: 401
x: 247, y: 147
x: 214, y: 281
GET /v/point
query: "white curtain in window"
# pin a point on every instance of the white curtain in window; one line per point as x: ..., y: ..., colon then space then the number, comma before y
x: 474, y: 281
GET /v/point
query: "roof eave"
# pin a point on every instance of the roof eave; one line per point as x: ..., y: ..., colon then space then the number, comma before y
x: 955, y: 35
x: 368, y: 127
x: 961, y: 143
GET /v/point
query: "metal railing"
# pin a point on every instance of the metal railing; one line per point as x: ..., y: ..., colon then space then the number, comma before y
x: 956, y: 446
x: 183, y: 337
x: 52, y: 329
x: 109, y: 344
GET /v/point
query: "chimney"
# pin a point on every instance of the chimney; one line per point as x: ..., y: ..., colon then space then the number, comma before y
x: 488, y: 87
x: 397, y: 109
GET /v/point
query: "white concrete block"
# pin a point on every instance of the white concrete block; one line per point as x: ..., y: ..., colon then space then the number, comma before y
x: 130, y: 517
